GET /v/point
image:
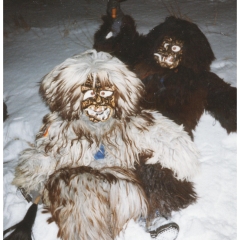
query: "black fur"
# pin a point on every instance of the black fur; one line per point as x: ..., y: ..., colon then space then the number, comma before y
x: 164, y: 192
x: 123, y: 45
x: 182, y: 93
x: 23, y: 229
x: 197, y: 52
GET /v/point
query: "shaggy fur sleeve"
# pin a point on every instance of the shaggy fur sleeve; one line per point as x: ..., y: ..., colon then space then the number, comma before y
x: 172, y: 148
x: 221, y: 101
x: 33, y: 169
x: 123, y: 45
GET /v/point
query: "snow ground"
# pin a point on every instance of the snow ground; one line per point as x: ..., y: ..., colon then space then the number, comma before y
x: 39, y: 34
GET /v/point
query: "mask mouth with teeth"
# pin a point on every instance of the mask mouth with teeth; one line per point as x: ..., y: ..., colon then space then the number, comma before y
x: 169, y: 54
x: 98, y: 101
x: 98, y: 113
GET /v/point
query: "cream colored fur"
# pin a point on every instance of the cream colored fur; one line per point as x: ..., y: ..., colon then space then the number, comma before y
x: 101, y: 208
x: 72, y: 141
x: 171, y: 147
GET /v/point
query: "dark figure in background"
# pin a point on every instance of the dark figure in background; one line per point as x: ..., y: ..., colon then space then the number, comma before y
x: 173, y: 60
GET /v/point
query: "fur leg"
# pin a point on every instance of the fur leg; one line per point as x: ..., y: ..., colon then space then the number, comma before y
x: 90, y: 204
x: 164, y: 192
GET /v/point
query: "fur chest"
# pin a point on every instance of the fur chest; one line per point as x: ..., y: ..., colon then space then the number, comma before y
x: 173, y: 90
x: 74, y: 145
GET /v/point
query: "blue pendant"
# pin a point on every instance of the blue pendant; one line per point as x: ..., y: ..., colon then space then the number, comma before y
x: 100, y: 154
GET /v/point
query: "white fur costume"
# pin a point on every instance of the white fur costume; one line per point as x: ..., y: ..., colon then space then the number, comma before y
x: 99, y: 199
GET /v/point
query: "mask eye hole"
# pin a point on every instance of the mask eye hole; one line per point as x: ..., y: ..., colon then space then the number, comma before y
x: 176, y: 48
x: 106, y: 93
x: 88, y: 94
x: 166, y: 45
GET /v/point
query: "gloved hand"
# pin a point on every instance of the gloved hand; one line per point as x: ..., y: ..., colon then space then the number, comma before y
x: 30, y: 197
x: 114, y: 10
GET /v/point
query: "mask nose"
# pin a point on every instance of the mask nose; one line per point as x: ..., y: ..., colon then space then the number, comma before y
x: 167, y: 51
x: 98, y: 99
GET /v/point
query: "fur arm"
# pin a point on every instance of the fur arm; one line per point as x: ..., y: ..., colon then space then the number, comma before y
x: 123, y: 45
x: 33, y: 169
x: 172, y: 148
x: 221, y: 101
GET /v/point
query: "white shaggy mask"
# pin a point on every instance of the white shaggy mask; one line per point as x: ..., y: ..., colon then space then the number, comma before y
x: 92, y: 83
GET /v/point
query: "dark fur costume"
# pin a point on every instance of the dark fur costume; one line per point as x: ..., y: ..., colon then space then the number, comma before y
x: 164, y: 192
x: 181, y: 93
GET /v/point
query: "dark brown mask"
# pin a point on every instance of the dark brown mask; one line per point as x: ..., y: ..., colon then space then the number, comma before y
x: 169, y: 54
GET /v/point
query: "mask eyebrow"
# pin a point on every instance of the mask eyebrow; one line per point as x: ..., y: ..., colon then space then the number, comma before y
x: 85, y: 88
x: 109, y: 88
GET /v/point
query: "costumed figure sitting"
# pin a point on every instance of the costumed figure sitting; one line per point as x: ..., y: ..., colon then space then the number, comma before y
x: 99, y: 159
x: 173, y: 61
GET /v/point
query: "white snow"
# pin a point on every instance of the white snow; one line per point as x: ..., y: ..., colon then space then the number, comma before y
x: 39, y: 34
